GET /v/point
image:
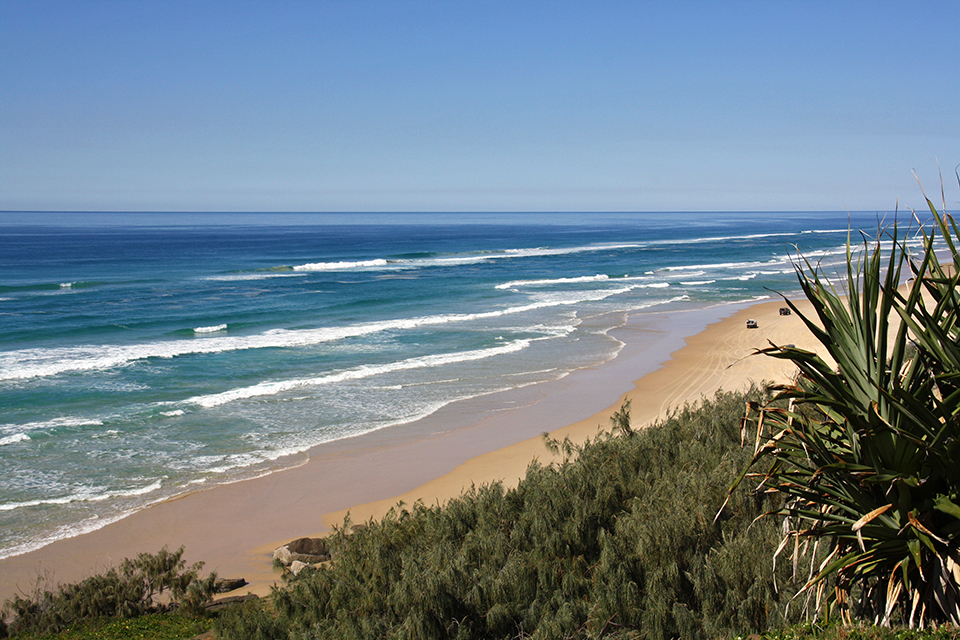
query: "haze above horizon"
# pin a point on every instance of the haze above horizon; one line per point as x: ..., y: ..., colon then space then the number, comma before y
x: 476, y: 106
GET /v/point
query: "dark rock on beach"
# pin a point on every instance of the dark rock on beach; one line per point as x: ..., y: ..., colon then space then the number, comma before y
x: 228, y: 584
x: 309, y: 547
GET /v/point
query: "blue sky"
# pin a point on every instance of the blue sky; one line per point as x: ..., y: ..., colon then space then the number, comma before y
x: 476, y: 106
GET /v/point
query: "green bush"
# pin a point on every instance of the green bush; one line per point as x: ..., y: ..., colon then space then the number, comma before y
x: 618, y: 540
x: 127, y: 591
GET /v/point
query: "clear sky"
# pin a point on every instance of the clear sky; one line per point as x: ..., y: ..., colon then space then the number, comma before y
x: 477, y: 105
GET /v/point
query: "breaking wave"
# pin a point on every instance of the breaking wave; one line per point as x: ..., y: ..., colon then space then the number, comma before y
x: 357, y: 373
x: 213, y: 329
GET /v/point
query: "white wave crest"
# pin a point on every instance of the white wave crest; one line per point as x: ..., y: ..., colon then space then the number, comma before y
x: 697, y: 283
x: 561, y: 298
x: 749, y: 236
x: 244, y: 460
x: 213, y: 329
x: 341, y: 266
x: 84, y: 495
x: 561, y: 251
x: 50, y: 424
x: 61, y: 533
x: 17, y: 437
x: 458, y: 259
x: 356, y: 373
x: 725, y: 265
x: 450, y: 262
x: 478, y: 257
x: 537, y: 283
x: 532, y: 252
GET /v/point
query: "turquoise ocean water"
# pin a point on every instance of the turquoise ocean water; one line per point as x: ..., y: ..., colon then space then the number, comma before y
x: 146, y: 355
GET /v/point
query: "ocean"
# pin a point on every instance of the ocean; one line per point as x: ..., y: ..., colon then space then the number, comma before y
x: 143, y: 356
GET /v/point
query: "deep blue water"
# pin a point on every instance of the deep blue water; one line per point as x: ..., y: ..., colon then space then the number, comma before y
x: 143, y: 355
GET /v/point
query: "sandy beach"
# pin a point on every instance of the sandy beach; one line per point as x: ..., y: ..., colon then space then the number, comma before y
x: 667, y: 360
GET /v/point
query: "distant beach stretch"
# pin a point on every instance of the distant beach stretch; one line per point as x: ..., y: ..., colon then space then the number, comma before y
x: 230, y: 386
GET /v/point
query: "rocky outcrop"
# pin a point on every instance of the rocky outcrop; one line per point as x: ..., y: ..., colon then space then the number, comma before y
x: 310, y: 547
x: 306, y: 551
x: 224, y: 585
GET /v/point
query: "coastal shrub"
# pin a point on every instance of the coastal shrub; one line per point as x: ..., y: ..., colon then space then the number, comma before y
x: 154, y: 626
x: 616, y: 540
x: 251, y: 621
x: 147, y: 583
x: 864, y: 455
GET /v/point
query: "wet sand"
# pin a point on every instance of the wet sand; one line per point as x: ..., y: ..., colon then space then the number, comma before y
x: 668, y: 359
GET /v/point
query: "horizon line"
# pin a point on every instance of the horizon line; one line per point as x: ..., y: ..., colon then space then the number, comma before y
x: 457, y: 211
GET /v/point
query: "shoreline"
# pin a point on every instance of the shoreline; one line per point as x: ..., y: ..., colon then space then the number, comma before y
x: 715, y: 358
x: 668, y: 359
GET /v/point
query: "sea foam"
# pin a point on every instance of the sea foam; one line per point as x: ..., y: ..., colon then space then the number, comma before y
x: 459, y: 259
x: 53, y: 423
x: 341, y: 266
x: 17, y: 437
x: 356, y: 373
x: 513, y: 284
x: 87, y: 494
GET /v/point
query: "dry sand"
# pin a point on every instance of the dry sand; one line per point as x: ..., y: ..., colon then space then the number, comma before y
x: 235, y: 527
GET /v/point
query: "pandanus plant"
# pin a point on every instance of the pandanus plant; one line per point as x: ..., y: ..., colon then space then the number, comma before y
x: 861, y: 449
